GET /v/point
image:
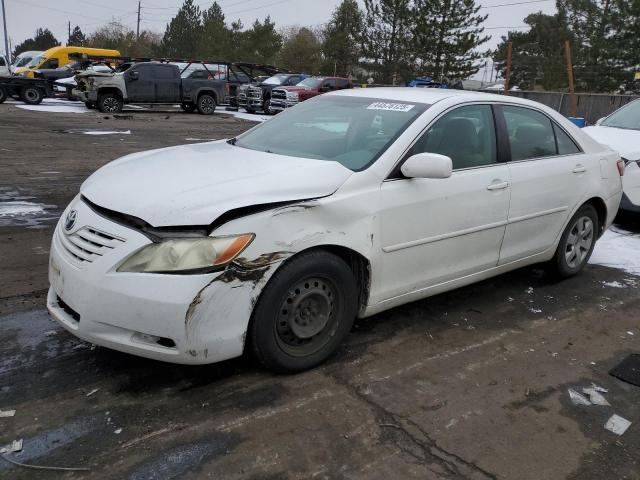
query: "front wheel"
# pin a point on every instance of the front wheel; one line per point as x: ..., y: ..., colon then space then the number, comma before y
x: 577, y: 242
x: 266, y: 107
x: 31, y: 95
x: 3, y: 95
x: 110, y: 103
x: 90, y: 105
x: 206, y: 104
x: 304, y: 313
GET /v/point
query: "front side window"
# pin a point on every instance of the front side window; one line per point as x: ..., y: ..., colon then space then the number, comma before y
x: 530, y: 133
x: 353, y: 131
x: 50, y: 64
x: 330, y: 83
x: 466, y: 134
x: 293, y: 81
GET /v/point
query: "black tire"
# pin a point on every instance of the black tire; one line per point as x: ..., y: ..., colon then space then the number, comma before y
x: 577, y: 243
x: 206, y: 104
x: 110, y: 103
x: 3, y: 95
x: 188, y: 107
x: 31, y: 95
x: 266, y: 107
x: 304, y: 313
x: 90, y: 105
x: 250, y: 110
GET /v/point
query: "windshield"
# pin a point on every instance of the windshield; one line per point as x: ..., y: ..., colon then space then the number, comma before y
x: 275, y: 80
x: 353, y: 131
x: 627, y: 117
x: 35, y: 61
x: 311, y: 82
x: 22, y: 62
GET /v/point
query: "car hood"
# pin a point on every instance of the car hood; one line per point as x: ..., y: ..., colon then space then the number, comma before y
x: 194, y: 184
x: 95, y: 74
x: 625, y: 142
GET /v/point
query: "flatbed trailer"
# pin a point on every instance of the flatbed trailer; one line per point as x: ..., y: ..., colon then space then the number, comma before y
x: 30, y: 90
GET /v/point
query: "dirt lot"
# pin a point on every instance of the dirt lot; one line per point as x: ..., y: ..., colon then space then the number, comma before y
x: 467, y: 385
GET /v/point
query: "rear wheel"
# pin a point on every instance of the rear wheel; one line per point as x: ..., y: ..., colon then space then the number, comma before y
x: 577, y: 242
x: 188, y: 107
x: 206, y: 104
x: 3, y: 95
x: 31, y: 95
x: 304, y: 313
x: 110, y: 103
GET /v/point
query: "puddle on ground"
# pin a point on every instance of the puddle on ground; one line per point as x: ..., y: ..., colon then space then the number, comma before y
x: 19, y: 209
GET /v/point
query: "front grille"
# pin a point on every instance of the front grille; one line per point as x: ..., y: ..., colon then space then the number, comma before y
x: 87, y: 244
x: 279, y: 94
x: 254, y: 92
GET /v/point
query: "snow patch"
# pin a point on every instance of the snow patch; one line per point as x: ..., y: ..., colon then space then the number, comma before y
x: 107, y: 132
x: 15, y: 209
x: 620, y: 249
x: 246, y: 116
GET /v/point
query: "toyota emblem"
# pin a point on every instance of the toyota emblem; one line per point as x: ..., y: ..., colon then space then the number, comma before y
x: 70, y: 221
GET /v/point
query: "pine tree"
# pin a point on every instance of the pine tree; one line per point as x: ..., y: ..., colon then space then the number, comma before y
x: 598, y: 47
x: 387, y: 39
x: 216, y: 37
x: 77, y: 38
x: 343, y: 39
x: 538, y: 54
x: 183, y: 34
x: 447, y: 37
x: 301, y: 52
x: 42, y: 40
x: 262, y: 41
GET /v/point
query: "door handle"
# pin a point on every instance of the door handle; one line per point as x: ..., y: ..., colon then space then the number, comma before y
x: 498, y: 186
x: 579, y: 168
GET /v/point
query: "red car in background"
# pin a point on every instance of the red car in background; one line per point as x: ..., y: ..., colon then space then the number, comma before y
x: 285, y: 97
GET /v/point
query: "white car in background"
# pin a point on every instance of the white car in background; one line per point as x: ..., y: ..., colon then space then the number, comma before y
x: 4, y: 67
x: 343, y: 206
x: 621, y: 132
x: 24, y: 58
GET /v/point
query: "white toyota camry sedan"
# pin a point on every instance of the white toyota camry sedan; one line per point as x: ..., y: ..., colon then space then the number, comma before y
x: 621, y: 131
x: 344, y: 206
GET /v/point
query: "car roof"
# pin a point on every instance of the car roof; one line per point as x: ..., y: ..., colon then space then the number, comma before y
x: 425, y: 95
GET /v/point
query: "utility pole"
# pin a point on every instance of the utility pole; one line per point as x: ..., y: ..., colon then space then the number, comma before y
x: 6, y: 36
x: 69, y: 36
x: 138, y: 29
x: 508, y: 72
x: 572, y: 91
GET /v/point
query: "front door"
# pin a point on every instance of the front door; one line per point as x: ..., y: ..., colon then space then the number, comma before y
x: 548, y: 175
x: 140, y: 83
x: 437, y: 230
x: 167, y: 79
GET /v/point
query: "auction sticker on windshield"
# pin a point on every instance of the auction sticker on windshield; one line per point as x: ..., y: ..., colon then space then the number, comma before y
x: 394, y: 107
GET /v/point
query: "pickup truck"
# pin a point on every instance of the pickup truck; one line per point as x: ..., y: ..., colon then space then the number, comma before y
x: 148, y: 83
x: 285, y: 97
x: 4, y: 67
x: 257, y: 96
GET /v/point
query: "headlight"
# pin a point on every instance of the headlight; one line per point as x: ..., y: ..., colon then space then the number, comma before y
x: 187, y: 255
x: 292, y: 96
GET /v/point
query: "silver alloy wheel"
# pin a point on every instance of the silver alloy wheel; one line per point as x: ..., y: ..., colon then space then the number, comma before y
x: 111, y: 104
x: 579, y: 242
x: 207, y: 104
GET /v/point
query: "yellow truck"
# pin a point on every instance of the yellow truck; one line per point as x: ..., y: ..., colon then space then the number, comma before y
x: 57, y: 57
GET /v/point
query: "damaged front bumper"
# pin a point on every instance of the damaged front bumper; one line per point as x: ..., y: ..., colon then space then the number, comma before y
x: 188, y: 319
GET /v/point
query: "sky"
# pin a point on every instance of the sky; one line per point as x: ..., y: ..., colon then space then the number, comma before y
x: 24, y: 16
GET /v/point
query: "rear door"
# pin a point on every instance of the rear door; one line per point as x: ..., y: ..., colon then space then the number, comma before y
x: 548, y: 174
x: 167, y: 81
x: 140, y: 83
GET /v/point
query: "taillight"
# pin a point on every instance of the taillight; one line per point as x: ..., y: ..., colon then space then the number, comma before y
x: 620, y: 165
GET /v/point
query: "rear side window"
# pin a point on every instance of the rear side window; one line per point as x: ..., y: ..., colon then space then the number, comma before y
x: 530, y: 133
x: 331, y: 83
x: 466, y: 134
x: 343, y: 83
x: 164, y: 72
x: 566, y: 146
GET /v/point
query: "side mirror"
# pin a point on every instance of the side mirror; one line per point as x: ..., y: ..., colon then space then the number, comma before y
x: 134, y: 75
x: 600, y: 120
x: 427, y: 165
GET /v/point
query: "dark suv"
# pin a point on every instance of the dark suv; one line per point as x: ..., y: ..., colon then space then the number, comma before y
x: 258, y: 96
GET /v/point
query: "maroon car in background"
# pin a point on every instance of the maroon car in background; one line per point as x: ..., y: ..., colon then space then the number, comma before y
x: 285, y: 97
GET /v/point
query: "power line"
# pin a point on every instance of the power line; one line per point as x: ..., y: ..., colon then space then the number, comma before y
x: 514, y: 3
